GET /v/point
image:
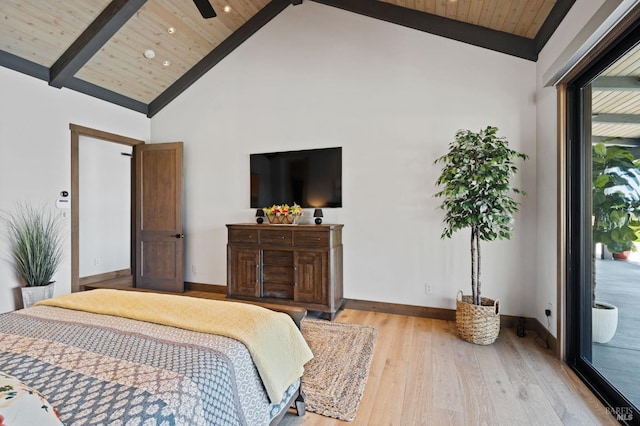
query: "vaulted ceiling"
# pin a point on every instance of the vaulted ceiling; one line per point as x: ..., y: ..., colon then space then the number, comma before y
x: 98, y: 46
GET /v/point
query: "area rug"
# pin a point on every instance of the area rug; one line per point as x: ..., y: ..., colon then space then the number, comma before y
x: 334, y: 380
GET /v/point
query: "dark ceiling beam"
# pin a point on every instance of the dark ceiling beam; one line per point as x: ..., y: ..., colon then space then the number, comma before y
x: 16, y: 63
x: 106, y: 95
x: 615, y: 119
x: 110, y: 20
x: 227, y: 46
x: 498, y: 41
x: 613, y: 84
x: 557, y: 14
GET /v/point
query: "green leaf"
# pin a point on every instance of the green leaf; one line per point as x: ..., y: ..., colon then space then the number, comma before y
x: 599, y: 149
x: 601, y: 181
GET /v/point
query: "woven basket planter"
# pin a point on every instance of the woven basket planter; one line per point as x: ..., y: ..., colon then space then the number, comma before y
x: 479, y: 324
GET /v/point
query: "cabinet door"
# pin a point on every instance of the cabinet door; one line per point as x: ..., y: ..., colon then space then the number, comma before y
x: 244, y: 272
x: 311, y: 277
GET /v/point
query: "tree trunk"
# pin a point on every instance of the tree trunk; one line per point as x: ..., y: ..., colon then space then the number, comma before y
x: 478, y: 284
x: 473, y: 264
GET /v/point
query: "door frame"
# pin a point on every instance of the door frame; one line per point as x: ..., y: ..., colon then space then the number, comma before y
x: 577, y: 269
x: 76, y: 132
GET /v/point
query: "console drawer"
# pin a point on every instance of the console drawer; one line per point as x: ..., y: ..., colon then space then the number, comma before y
x: 279, y: 237
x: 243, y: 236
x: 277, y: 257
x: 280, y: 291
x: 279, y: 274
x: 311, y: 239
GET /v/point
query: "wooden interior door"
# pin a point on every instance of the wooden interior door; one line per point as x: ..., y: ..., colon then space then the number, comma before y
x: 159, y: 236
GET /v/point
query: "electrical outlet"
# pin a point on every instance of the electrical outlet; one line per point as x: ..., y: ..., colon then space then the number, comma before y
x: 547, y: 312
x: 96, y: 261
x: 427, y: 288
x: 194, y: 269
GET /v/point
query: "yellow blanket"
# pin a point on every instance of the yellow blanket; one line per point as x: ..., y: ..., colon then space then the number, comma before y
x: 277, y: 347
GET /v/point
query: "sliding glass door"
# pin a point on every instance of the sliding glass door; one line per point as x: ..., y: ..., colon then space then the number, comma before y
x: 603, y: 260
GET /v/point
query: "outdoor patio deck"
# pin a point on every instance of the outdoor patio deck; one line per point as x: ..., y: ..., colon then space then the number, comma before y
x: 618, y: 283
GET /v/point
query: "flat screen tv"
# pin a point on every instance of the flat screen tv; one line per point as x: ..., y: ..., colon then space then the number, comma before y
x: 311, y: 178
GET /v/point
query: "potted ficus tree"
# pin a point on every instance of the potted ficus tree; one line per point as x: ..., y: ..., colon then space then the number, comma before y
x: 476, y: 173
x: 35, y: 246
x: 616, y: 207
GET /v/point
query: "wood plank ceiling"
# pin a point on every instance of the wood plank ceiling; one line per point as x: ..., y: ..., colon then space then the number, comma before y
x: 121, y: 66
x: 97, y: 46
x: 615, y: 104
x: 522, y: 18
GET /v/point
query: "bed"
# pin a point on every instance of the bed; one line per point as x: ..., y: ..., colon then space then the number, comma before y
x: 122, y: 357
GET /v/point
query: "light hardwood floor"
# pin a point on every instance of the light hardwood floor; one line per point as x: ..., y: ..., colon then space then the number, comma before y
x: 423, y: 374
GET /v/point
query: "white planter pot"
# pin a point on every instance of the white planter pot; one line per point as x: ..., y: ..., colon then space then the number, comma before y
x: 31, y: 295
x: 604, y: 322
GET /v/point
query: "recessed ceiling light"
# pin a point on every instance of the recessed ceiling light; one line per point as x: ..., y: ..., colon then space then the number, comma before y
x: 166, y: 63
x: 149, y: 54
x: 227, y: 9
x: 171, y: 30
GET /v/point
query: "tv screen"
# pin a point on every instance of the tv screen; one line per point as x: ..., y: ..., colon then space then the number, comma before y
x: 311, y: 178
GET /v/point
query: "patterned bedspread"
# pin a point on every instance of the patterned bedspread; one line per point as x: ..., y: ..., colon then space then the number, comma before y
x: 100, y: 369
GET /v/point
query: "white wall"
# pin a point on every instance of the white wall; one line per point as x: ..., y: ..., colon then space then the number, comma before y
x: 547, y: 153
x: 392, y: 97
x: 105, y: 206
x: 35, y: 153
x: 315, y: 77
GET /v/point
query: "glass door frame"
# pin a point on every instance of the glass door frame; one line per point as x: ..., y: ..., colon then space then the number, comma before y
x: 578, y: 228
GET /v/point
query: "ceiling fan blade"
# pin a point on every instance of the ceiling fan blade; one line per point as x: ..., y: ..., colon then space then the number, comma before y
x: 205, y: 8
